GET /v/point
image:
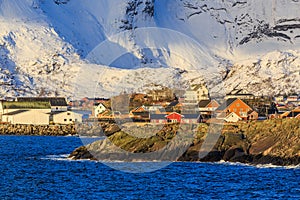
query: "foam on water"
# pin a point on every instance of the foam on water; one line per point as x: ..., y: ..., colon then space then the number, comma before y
x: 64, y: 157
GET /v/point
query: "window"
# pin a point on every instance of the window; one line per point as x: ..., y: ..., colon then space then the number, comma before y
x: 68, y: 113
x: 70, y: 120
x: 65, y: 120
x: 56, y: 108
x: 238, y: 104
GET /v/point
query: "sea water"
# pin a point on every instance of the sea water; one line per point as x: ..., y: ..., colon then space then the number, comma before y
x: 38, y: 168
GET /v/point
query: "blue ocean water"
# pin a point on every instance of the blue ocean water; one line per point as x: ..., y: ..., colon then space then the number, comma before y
x: 36, y: 168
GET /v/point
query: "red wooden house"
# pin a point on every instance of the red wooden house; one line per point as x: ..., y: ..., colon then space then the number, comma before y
x: 174, y: 117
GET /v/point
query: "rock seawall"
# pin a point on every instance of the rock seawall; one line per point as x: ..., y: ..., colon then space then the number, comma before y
x: 93, y: 129
x: 268, y: 142
x: 38, y: 130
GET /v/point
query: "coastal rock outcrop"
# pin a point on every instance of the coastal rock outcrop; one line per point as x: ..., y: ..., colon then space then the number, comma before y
x: 262, y: 142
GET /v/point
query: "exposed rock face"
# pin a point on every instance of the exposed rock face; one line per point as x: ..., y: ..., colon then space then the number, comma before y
x: 270, y: 142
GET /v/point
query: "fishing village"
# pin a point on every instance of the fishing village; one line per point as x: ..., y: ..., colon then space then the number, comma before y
x: 57, y: 115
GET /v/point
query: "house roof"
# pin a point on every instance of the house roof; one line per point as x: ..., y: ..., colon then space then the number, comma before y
x: 97, y: 104
x: 60, y: 112
x: 198, y: 86
x: 106, y: 113
x: 56, y: 113
x: 293, y: 114
x: 173, y: 113
x: 157, y: 116
x: 15, y: 112
x: 54, y: 101
x: 26, y: 105
x: 174, y: 103
x: 227, y: 103
x: 191, y: 116
x: 251, y: 111
x: 285, y: 114
x: 233, y: 114
x: 139, y: 109
x: 169, y: 108
x: 240, y: 92
x: 204, y: 103
x: 296, y: 109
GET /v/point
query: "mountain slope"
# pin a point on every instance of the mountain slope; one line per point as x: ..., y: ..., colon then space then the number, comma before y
x: 63, y: 47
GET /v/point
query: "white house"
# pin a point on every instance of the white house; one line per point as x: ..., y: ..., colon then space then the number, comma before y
x: 99, y: 109
x: 201, y: 91
x: 33, y: 116
x: 155, y: 109
x: 208, y: 105
x: 67, y: 117
x: 232, y: 117
x: 190, y: 97
x: 279, y: 99
x: 8, y: 107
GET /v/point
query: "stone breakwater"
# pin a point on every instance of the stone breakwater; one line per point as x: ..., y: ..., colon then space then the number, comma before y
x: 37, y: 130
x: 268, y: 142
x: 53, y: 130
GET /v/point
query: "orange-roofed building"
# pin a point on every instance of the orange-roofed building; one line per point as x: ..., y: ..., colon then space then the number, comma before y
x: 236, y: 106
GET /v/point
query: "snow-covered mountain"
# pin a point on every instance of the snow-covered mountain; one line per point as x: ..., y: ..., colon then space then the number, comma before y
x: 103, y: 47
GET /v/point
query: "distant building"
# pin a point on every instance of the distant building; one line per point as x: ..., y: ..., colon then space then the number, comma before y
x: 98, y: 109
x: 161, y: 95
x: 291, y: 114
x: 201, y: 91
x: 174, y: 106
x: 34, y: 116
x: 25, y: 112
x: 279, y: 99
x: 208, y: 105
x: 190, y: 97
x: 293, y: 98
x: 156, y: 109
x: 65, y: 117
x: 252, y: 115
x: 240, y: 94
x: 56, y: 103
x: 140, y: 114
x: 292, y: 101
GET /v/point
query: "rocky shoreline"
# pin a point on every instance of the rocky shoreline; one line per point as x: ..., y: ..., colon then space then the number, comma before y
x: 274, y: 142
